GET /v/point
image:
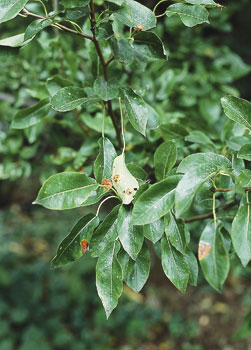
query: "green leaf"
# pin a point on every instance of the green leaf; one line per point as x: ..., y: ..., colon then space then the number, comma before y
x: 207, y: 3
x: 139, y: 112
x: 149, y: 45
x: 241, y: 232
x: 245, y: 152
x: 131, y: 237
x: 122, y: 50
x: 69, y: 4
x: 155, y: 202
x: 65, y: 191
x: 68, y: 98
x: 175, y: 232
x: 244, y: 179
x: 164, y: 159
x: 31, y: 115
x: 10, y: 9
x: 190, y: 15
x: 213, y: 256
x: 105, y: 233
x: 109, y: 277
x: 69, y: 249
x: 133, y: 13
x: 140, y: 271
x: 137, y: 171
x: 126, y: 263
x: 117, y: 2
x: 35, y: 27
x: 104, y: 161
x: 193, y: 266
x: 107, y: 90
x: 198, y: 169
x: 55, y: 83
x: 14, y: 41
x: 154, y: 231
x: 238, y: 110
x: 197, y: 136
x: 174, y: 265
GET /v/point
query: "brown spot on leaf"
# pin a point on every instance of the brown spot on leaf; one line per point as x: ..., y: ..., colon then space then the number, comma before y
x: 204, y: 250
x: 107, y: 184
x: 116, y: 178
x: 128, y: 191
x: 84, y: 245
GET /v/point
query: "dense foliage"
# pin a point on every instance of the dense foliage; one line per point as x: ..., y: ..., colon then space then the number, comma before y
x: 106, y: 113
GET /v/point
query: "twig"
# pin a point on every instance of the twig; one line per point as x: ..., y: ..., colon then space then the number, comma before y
x: 57, y: 25
x: 211, y: 214
x: 214, y: 189
x: 104, y: 64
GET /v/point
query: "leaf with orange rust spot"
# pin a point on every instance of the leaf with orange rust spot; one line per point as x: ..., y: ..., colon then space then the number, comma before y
x: 107, y: 184
x: 204, y: 250
x: 84, y: 245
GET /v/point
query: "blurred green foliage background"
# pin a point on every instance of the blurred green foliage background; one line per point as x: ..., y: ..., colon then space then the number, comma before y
x: 46, y: 310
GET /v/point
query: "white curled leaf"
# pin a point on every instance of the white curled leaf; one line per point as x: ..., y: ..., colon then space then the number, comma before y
x: 124, y: 183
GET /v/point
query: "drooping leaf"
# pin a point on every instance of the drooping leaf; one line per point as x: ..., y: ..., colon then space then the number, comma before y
x: 245, y: 152
x: 10, y: 9
x: 154, y: 231
x: 133, y: 14
x: 155, y: 202
x: 175, y: 232
x: 65, y: 191
x: 35, y: 27
x: 174, y: 265
x: 109, y: 277
x: 213, y: 256
x: 69, y: 249
x: 107, y: 90
x: 131, y: 237
x: 31, y: 115
x: 139, y: 112
x: 190, y: 15
x: 122, y: 50
x: 238, y: 110
x: 198, y: 169
x: 193, y: 266
x: 105, y: 233
x: 126, y: 263
x: 140, y: 271
x: 149, y: 46
x: 241, y: 231
x: 207, y: 3
x: 104, y: 160
x: 14, y: 41
x: 68, y: 98
x: 164, y: 159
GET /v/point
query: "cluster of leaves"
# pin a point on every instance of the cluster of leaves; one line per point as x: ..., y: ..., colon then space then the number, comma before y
x: 192, y: 172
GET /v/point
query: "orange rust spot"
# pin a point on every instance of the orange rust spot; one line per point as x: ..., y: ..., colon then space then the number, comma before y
x: 116, y: 178
x: 139, y: 27
x: 107, y: 184
x: 204, y: 250
x: 84, y: 245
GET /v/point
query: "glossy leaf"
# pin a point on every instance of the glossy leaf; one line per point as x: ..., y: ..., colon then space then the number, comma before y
x: 245, y: 152
x: 31, y: 115
x: 105, y: 233
x: 238, y: 110
x: 65, y: 191
x: 10, y: 9
x: 190, y: 15
x: 133, y: 14
x: 140, y: 114
x: 154, y: 231
x: 107, y: 90
x: 35, y: 27
x: 104, y: 161
x: 68, y: 98
x: 198, y: 169
x: 131, y: 237
x: 109, y: 277
x: 164, y: 159
x: 175, y: 232
x: 213, y: 256
x: 241, y: 231
x: 149, y: 46
x: 197, y: 136
x: 137, y: 171
x: 155, y: 202
x: 244, y: 179
x: 140, y: 271
x: 69, y: 249
x: 174, y: 265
